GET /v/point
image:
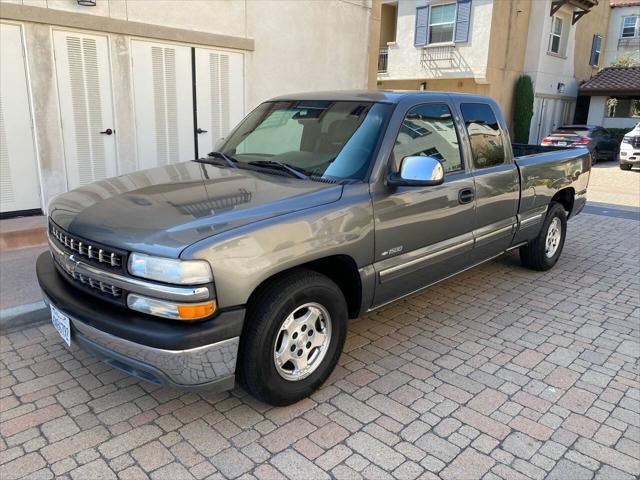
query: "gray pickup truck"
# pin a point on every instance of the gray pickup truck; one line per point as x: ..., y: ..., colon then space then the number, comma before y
x: 315, y: 209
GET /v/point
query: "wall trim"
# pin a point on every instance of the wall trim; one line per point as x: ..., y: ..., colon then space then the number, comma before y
x: 97, y: 23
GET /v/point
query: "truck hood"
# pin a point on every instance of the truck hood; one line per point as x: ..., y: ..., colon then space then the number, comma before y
x: 164, y: 210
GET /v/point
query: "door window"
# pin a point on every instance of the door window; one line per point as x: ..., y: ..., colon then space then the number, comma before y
x: 487, y: 145
x: 429, y: 130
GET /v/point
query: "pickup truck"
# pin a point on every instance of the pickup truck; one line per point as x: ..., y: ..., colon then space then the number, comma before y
x: 315, y: 209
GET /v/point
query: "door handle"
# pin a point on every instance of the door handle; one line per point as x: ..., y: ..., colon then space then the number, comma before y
x: 466, y: 195
x: 108, y: 131
x: 199, y: 131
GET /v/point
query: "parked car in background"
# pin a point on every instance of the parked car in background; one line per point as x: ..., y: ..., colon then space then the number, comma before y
x: 630, y: 149
x: 601, y: 144
x: 316, y: 208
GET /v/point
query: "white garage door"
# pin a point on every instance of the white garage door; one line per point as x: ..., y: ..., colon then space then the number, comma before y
x: 19, y: 188
x: 163, y: 103
x: 86, y: 106
x: 219, y: 94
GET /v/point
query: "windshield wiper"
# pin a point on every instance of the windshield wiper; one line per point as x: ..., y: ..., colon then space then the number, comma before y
x: 227, y: 158
x: 281, y: 166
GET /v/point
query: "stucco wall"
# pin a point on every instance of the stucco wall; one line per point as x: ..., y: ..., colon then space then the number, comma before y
x: 614, y: 47
x: 596, y: 22
x: 597, y: 109
x: 547, y: 70
x: 299, y: 46
x: 508, y: 44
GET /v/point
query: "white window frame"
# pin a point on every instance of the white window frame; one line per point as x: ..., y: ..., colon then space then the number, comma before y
x: 636, y: 27
x: 552, y: 35
x: 453, y: 23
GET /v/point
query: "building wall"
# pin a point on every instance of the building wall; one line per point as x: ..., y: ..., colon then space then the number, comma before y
x: 507, y: 47
x: 326, y: 46
x: 596, y: 22
x: 469, y: 59
x: 597, y: 110
x: 615, y: 46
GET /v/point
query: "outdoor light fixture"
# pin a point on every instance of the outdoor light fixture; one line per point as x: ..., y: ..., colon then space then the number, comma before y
x: 560, y: 87
x: 87, y: 3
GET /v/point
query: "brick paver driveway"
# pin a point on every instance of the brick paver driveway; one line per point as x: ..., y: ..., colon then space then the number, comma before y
x: 498, y: 373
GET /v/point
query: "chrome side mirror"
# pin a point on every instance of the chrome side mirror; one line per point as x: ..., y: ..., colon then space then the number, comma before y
x: 418, y: 171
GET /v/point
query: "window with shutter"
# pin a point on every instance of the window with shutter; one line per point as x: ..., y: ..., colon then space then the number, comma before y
x: 594, y: 59
x: 463, y: 21
x: 422, y: 26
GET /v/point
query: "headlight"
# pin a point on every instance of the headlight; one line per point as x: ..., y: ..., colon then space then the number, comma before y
x: 170, y: 270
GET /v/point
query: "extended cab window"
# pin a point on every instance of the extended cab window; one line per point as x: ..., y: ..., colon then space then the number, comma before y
x: 322, y: 139
x: 429, y: 130
x: 487, y: 144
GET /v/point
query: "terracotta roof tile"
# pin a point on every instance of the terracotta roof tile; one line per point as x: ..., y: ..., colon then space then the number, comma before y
x: 624, y: 3
x: 613, y: 80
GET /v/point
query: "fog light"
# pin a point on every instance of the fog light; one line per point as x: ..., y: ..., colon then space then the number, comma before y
x: 176, y: 311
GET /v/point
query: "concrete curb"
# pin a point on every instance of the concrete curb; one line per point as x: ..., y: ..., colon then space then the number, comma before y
x: 19, y: 317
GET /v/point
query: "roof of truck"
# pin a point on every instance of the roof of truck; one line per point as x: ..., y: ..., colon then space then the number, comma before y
x: 385, y: 96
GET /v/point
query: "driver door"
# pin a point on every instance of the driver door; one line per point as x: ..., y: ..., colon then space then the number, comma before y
x: 423, y: 234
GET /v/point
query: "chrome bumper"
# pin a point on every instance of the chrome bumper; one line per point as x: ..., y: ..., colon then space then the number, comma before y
x: 209, y: 367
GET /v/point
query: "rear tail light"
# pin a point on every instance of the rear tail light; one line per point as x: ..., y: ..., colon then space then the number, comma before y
x: 547, y: 140
x: 582, y: 141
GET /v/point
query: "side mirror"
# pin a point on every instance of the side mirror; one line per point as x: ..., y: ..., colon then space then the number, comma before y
x: 418, y: 171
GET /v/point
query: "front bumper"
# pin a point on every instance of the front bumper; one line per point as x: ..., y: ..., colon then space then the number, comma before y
x: 629, y: 157
x: 199, y: 355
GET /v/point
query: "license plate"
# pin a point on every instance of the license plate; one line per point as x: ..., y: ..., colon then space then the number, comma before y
x: 61, y: 324
x: 562, y: 144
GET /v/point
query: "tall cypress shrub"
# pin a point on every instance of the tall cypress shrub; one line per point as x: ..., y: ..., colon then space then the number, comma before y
x: 522, y: 108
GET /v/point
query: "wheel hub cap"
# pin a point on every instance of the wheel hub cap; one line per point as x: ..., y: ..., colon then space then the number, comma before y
x: 554, y: 235
x: 302, y: 341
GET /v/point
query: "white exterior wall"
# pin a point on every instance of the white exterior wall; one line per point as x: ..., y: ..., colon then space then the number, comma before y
x: 547, y: 70
x: 299, y: 46
x: 597, y: 111
x: 616, y: 47
x: 470, y: 58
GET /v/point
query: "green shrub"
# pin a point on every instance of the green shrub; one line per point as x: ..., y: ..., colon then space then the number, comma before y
x: 522, y: 108
x: 618, y: 133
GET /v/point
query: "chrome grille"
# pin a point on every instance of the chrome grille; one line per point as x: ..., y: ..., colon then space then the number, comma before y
x: 101, y: 286
x: 98, y: 285
x: 85, y: 249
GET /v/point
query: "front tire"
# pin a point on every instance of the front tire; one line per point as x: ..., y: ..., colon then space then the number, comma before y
x: 625, y: 166
x: 543, y: 252
x: 294, y: 334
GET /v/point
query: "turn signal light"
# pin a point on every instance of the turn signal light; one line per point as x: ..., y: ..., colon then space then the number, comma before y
x: 176, y: 311
x: 191, y: 312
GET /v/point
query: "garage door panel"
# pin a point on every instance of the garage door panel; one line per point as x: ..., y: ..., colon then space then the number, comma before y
x: 163, y: 103
x: 19, y: 186
x: 219, y: 93
x: 83, y: 73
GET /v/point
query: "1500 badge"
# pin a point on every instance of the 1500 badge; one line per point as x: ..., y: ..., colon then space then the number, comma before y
x: 392, y: 251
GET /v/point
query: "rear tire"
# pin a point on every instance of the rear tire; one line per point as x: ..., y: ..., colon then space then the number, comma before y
x: 281, y: 325
x: 543, y: 252
x: 624, y: 166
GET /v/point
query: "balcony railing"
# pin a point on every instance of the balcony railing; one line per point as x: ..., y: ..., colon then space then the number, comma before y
x: 383, y: 58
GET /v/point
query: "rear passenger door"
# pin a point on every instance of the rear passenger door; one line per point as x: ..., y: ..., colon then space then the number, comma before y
x: 496, y: 181
x: 423, y: 234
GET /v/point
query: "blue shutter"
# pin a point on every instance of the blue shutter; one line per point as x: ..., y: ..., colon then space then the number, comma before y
x: 595, y: 47
x: 463, y: 21
x: 422, y: 26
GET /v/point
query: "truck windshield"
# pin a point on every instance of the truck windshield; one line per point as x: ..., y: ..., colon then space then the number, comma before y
x: 321, y: 139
